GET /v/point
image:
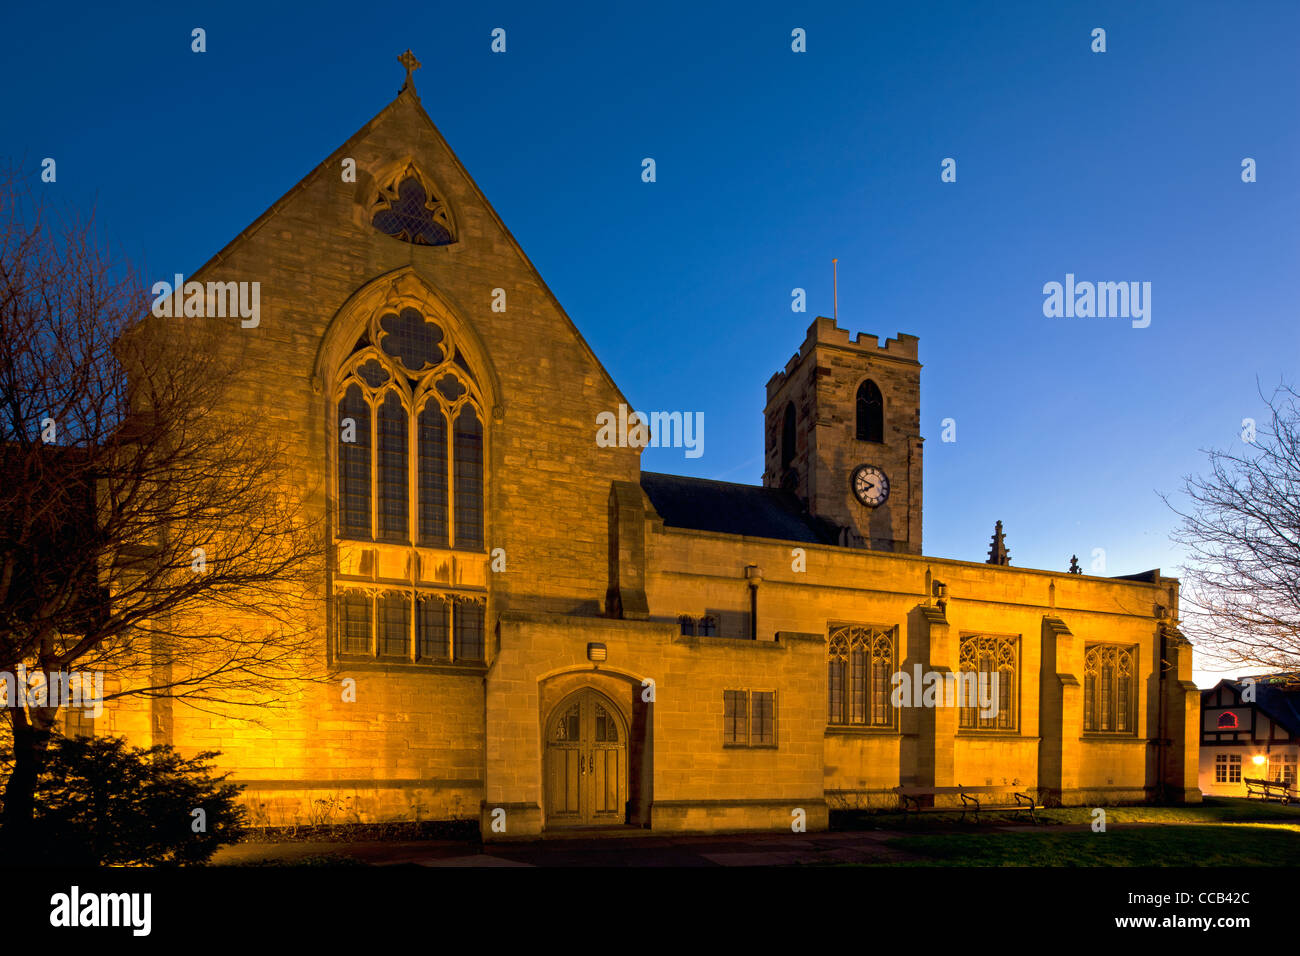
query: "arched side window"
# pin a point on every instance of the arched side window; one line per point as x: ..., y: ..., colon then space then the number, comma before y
x: 469, y: 480
x: 860, y: 662
x: 354, y: 463
x: 433, y: 476
x: 787, y: 437
x: 392, y: 471
x: 411, y: 453
x: 404, y: 477
x: 1109, y: 688
x: 871, y: 413
x: 993, y: 661
x: 1227, y: 721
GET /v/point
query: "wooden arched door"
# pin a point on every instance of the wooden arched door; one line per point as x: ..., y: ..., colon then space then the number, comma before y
x: 586, y: 762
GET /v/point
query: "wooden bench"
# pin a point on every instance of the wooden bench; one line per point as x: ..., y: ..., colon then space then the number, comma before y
x: 973, y: 800
x: 1268, y: 790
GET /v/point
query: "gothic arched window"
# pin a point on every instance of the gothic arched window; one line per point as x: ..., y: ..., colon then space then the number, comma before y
x: 354, y: 463
x: 386, y: 492
x: 1109, y: 689
x: 993, y: 662
x: 411, y: 453
x: 787, y: 438
x: 860, y: 663
x: 468, y: 449
x: 871, y: 412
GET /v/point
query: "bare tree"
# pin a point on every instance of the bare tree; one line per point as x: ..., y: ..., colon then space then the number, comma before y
x: 1241, y: 528
x: 151, y: 527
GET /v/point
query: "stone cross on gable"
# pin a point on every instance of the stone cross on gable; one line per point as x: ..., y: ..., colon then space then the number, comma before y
x: 409, y: 61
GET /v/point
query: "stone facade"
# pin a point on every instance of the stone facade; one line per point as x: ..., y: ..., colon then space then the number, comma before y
x: 601, y: 686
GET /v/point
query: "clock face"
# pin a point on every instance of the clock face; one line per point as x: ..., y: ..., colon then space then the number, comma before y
x: 870, y: 485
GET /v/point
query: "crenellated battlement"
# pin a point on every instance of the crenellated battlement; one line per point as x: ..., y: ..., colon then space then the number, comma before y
x: 824, y: 331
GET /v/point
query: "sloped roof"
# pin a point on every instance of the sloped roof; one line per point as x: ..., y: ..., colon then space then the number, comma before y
x: 1277, y: 695
x: 729, y: 508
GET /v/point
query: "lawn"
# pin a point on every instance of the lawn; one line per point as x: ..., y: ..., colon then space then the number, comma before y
x: 1219, y: 832
x: 1213, y: 810
x: 1249, y: 844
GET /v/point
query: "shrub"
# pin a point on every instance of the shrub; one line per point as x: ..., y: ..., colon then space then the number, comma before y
x: 100, y: 801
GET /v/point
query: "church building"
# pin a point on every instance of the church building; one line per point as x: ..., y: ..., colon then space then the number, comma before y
x: 543, y: 636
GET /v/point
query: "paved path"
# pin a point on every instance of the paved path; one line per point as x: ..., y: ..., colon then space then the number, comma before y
x: 622, y: 850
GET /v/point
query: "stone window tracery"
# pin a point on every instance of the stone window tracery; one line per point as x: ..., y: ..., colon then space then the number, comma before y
x: 860, y: 670
x: 1109, y: 689
x: 410, y: 452
x: 407, y: 209
x: 995, y: 660
x: 412, y: 368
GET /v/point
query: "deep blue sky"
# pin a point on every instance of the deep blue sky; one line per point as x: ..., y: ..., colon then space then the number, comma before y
x: 1116, y: 166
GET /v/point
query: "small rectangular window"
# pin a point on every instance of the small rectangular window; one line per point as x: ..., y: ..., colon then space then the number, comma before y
x: 762, y: 718
x: 749, y: 718
x: 735, y: 719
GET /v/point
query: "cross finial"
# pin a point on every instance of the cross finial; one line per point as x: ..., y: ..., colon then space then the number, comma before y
x: 409, y: 61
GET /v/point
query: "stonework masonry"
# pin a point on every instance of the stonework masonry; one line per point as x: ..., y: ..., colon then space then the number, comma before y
x: 618, y: 644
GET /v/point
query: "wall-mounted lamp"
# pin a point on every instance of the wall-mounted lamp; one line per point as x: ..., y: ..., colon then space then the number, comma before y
x: 596, y: 652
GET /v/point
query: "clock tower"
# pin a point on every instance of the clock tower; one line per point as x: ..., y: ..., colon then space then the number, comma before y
x: 843, y: 432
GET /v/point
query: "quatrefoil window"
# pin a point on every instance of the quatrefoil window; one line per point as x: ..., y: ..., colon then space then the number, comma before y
x: 408, y: 211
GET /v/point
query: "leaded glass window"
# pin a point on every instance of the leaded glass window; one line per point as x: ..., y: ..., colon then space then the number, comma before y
x: 762, y: 718
x: 469, y: 481
x: 407, y: 211
x: 468, y: 626
x: 405, y: 626
x: 434, y: 628
x: 393, y: 498
x: 749, y: 718
x: 354, y: 464
x: 353, y: 627
x: 437, y: 500
x: 994, y: 661
x: 860, y: 668
x: 411, y: 452
x: 394, y: 625
x: 735, y: 717
x: 568, y: 727
x: 606, y: 727
x: 433, y: 476
x: 1109, y: 688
